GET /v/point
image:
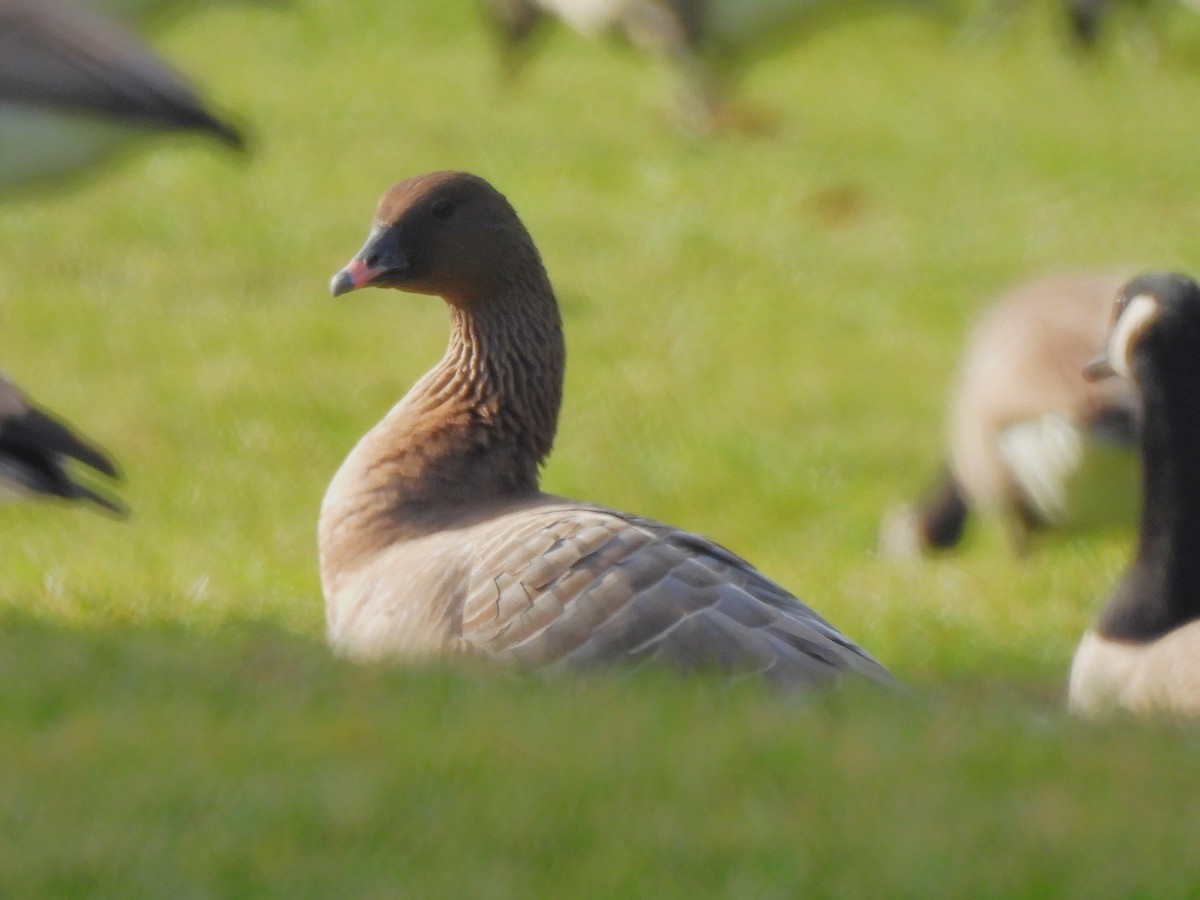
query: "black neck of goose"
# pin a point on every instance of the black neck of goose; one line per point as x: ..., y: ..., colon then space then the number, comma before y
x: 1161, y: 589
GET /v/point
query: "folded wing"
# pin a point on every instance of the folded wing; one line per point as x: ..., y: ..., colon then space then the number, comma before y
x: 577, y: 586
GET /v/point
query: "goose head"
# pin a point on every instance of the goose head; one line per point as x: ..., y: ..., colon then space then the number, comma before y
x: 1155, y: 322
x: 448, y: 234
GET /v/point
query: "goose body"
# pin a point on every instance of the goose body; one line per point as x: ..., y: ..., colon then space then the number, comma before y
x: 74, y: 87
x: 434, y: 537
x: 1143, y: 653
x: 1022, y: 421
x: 699, y: 41
x: 722, y: 22
x: 35, y: 448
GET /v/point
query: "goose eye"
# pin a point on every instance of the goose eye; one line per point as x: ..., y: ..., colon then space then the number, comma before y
x: 442, y: 209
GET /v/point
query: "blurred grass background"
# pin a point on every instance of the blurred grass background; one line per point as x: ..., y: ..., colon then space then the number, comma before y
x: 761, y: 331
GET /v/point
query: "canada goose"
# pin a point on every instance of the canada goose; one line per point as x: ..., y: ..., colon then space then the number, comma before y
x: 34, y: 449
x: 1021, y: 417
x: 702, y: 42
x: 73, y: 85
x: 1143, y: 653
x: 434, y: 537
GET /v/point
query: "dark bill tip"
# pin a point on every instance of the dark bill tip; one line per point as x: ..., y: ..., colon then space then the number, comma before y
x: 1098, y: 367
x: 357, y: 274
x: 342, y: 283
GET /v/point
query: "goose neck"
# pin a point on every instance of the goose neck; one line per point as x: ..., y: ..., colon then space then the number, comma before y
x: 473, y: 431
x: 1161, y: 589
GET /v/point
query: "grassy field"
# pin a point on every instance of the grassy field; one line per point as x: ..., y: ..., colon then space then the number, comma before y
x: 760, y: 332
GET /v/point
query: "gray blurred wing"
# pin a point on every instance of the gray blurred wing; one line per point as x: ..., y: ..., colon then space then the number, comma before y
x: 34, y: 449
x: 55, y: 55
x: 566, y: 587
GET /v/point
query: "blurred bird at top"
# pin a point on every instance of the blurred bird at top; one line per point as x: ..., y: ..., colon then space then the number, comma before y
x: 1088, y: 18
x: 1087, y: 21
x: 74, y: 86
x: 702, y: 42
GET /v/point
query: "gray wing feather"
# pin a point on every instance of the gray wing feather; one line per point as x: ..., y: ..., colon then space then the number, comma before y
x: 568, y: 587
x: 53, y: 54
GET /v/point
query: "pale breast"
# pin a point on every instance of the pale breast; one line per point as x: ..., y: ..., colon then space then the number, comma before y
x: 1158, y: 678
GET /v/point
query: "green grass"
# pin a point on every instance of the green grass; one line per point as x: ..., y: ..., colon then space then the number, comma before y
x: 760, y: 334
x: 145, y: 763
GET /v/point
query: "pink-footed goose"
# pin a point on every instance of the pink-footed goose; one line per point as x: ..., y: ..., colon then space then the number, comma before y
x: 74, y: 86
x: 34, y: 450
x: 434, y: 537
x: 1022, y: 419
x: 1143, y: 653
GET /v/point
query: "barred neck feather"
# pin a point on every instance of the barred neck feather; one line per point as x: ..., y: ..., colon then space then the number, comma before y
x: 473, y: 431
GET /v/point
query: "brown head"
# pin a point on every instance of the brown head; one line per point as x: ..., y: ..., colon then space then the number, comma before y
x: 450, y: 234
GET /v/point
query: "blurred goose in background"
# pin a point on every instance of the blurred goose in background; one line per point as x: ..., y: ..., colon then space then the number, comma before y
x: 1143, y: 653
x: 702, y: 41
x: 74, y: 86
x: 1087, y: 17
x: 1022, y: 418
x: 434, y: 537
x: 34, y: 450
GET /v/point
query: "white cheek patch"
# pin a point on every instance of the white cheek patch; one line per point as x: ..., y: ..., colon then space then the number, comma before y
x: 1137, y: 316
